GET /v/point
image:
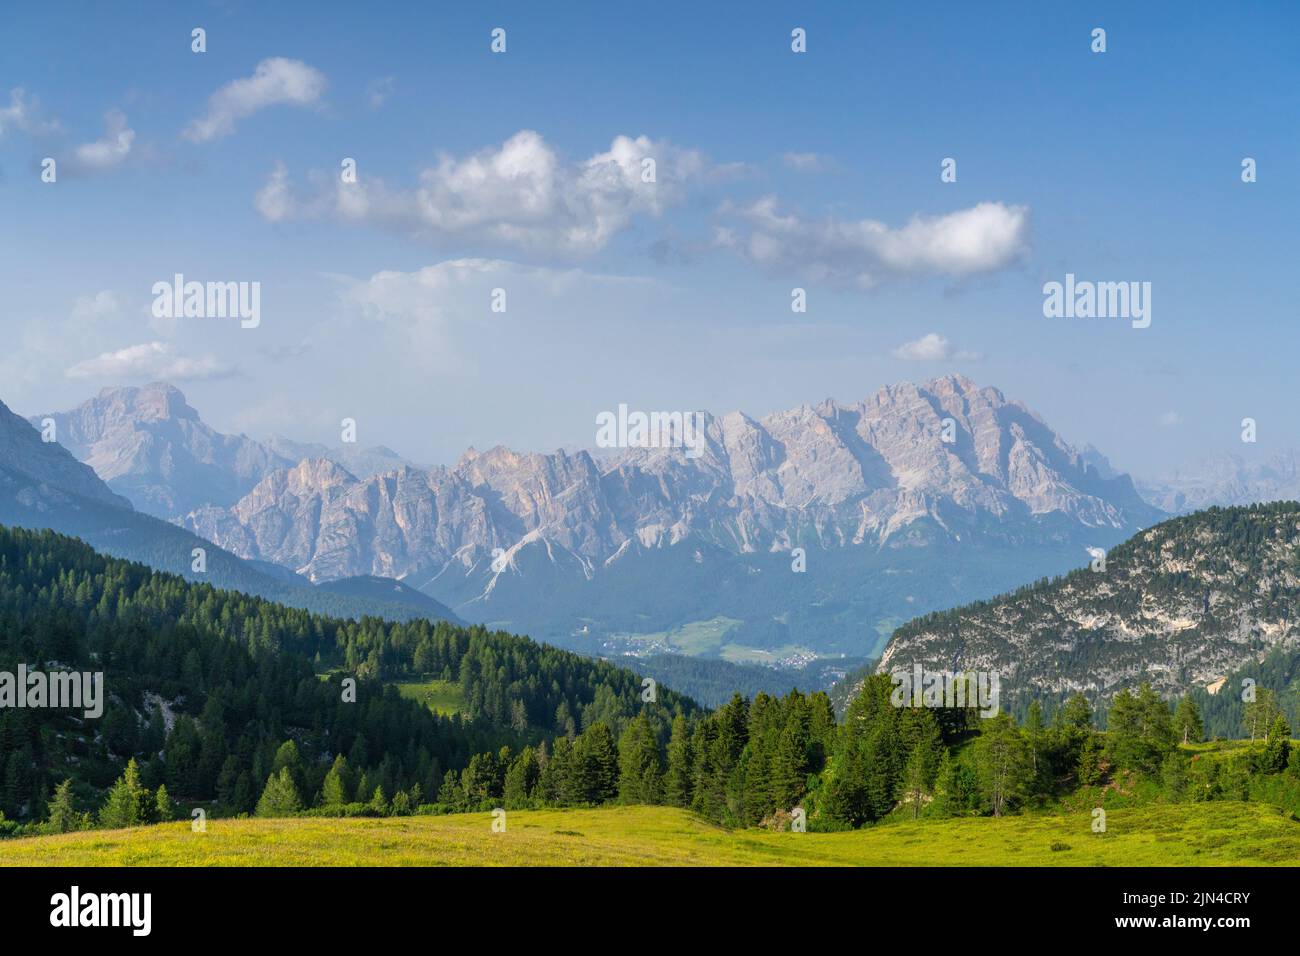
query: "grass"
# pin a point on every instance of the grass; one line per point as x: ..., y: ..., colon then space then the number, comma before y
x: 1201, y: 834
x: 1227, y: 748
x: 743, y: 654
x: 693, y: 638
x: 441, y: 696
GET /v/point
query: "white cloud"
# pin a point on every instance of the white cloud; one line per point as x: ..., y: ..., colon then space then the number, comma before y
x: 378, y: 92
x: 462, y: 287
x: 274, y: 81
x: 110, y: 150
x: 1169, y: 420
x: 22, y: 113
x: 101, y: 305
x: 933, y: 347
x: 983, y: 238
x: 274, y: 201
x: 151, y: 361
x: 519, y: 194
x: 440, y: 318
x: 805, y: 162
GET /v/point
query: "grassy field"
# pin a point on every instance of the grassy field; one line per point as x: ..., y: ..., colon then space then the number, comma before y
x: 440, y: 696
x: 1219, y: 749
x: 1203, y: 834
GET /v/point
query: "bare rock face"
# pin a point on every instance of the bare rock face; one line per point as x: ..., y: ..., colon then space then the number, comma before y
x: 830, y: 475
x: 1182, y: 604
x: 152, y: 447
x: 149, y: 445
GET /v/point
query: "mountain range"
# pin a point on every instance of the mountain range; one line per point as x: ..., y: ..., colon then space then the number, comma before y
x: 1182, y: 605
x: 150, y: 446
x: 1225, y: 480
x: 43, y: 486
x: 916, y: 498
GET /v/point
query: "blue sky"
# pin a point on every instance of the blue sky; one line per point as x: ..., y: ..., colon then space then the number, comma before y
x: 818, y: 170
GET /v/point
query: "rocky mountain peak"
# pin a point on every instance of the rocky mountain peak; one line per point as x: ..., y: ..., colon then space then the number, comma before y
x: 154, y: 402
x: 318, y: 473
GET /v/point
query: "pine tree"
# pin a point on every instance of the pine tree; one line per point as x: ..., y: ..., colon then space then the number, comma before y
x: 280, y: 797
x: 521, y: 779
x: 922, y: 761
x: 677, y: 778
x: 63, y: 815
x: 401, y: 805
x: 640, y: 766
x: 1002, y: 757
x: 1277, y: 747
x: 596, y: 764
x: 1076, y: 714
x: 1088, y: 770
x: 557, y: 782
x: 165, y: 810
x: 1034, y: 734
x: 244, y: 794
x: 288, y: 758
x: 1257, y: 716
x: 450, y: 794
x: 335, y: 788
x: 227, y: 779
x: 790, y: 762
x: 947, y: 796
x: 1173, y: 774
x: 129, y: 803
x: 1187, y: 721
x: 1140, y: 730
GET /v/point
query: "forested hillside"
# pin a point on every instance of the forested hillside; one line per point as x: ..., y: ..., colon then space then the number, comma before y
x: 43, y: 486
x: 1182, y: 605
x: 211, y: 692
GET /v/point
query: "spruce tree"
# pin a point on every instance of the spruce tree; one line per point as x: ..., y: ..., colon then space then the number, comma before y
x: 640, y: 766
x: 1187, y: 721
x: 923, y: 758
x: 1002, y: 757
x: 677, y: 778
x: 280, y: 797
x: 790, y: 763
x: 335, y: 788
x: 63, y: 815
x: 521, y: 779
x: 165, y: 810
x: 1277, y: 747
x: 129, y: 804
x: 596, y: 764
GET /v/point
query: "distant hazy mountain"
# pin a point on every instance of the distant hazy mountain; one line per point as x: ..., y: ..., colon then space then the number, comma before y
x: 1226, y: 480
x: 652, y: 549
x: 1182, y: 605
x: 43, y: 486
x: 150, y: 446
x: 362, y: 462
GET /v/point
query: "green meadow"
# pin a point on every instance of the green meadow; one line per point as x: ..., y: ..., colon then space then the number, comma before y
x: 1196, y: 834
x: 440, y: 696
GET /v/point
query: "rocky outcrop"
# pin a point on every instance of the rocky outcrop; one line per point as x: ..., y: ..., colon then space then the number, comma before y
x: 949, y: 451
x: 1181, y: 605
